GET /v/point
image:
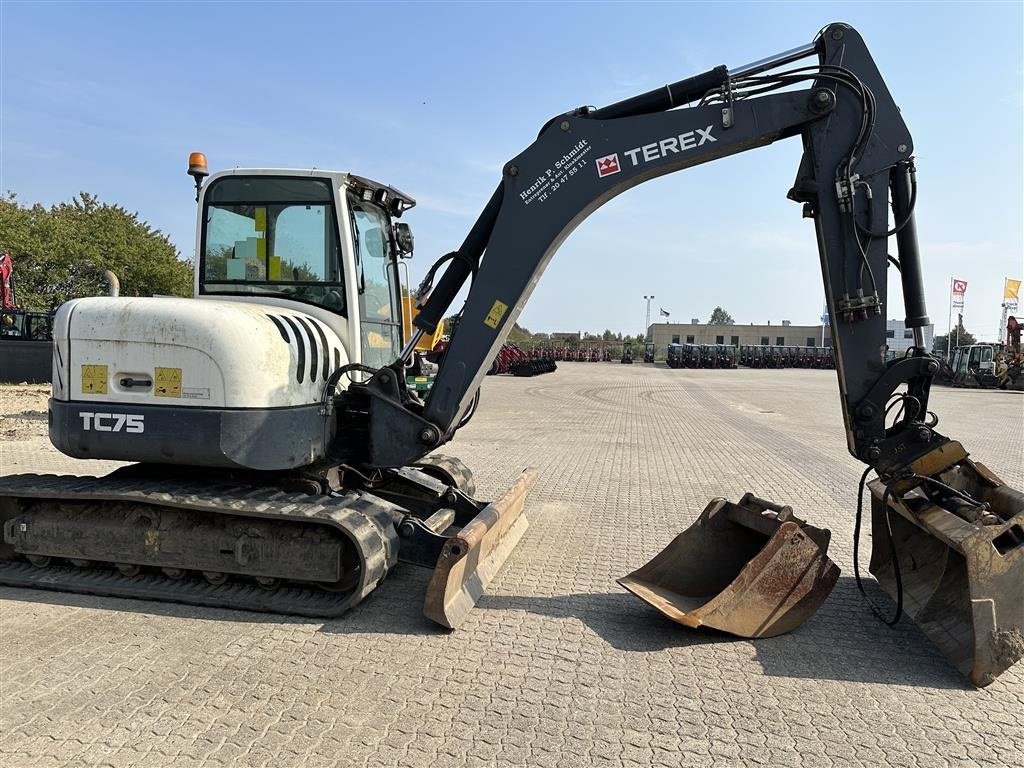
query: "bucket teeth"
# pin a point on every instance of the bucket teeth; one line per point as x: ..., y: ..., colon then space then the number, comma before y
x: 751, y: 569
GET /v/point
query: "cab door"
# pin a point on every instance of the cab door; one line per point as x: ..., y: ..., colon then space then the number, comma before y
x: 380, y: 312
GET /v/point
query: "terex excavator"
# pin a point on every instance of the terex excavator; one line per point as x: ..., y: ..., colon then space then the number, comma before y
x: 284, y: 465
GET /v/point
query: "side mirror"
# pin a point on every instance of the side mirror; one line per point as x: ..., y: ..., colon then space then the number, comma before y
x: 404, y: 240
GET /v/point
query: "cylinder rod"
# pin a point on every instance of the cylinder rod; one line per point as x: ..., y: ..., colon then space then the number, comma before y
x: 778, y: 60
x: 410, y: 345
x: 906, y: 242
x: 455, y: 274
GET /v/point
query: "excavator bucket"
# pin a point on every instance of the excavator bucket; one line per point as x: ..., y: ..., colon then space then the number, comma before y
x: 470, y: 559
x: 751, y: 569
x: 962, y: 580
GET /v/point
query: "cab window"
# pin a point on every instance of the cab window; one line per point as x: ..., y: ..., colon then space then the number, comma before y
x: 272, y: 237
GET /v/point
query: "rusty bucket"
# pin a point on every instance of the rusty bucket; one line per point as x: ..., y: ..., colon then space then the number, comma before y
x: 471, y: 558
x: 961, y: 566
x: 751, y: 569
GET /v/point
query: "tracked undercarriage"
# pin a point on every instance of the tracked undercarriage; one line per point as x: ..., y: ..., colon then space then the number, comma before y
x: 313, y: 544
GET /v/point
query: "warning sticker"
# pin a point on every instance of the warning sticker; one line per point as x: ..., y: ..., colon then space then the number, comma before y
x: 497, y: 312
x: 168, y: 382
x: 94, y: 379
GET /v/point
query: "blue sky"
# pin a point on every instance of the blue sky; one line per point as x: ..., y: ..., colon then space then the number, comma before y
x: 434, y: 98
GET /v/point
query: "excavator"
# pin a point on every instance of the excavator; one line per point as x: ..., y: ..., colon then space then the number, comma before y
x: 280, y: 462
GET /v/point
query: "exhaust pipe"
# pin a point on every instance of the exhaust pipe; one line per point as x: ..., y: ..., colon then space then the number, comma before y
x: 113, y: 284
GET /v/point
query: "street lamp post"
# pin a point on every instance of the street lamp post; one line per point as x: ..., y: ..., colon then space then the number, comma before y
x: 647, y: 325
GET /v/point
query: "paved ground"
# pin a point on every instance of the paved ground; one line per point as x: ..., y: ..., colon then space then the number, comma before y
x: 558, y: 666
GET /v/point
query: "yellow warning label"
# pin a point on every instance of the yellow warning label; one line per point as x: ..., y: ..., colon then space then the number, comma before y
x: 497, y: 312
x: 94, y: 379
x: 260, y: 214
x: 167, y: 382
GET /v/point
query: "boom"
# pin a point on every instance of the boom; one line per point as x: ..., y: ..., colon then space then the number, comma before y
x: 856, y: 150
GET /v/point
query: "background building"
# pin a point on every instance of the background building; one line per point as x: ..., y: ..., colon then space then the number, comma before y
x: 898, y: 337
x: 782, y: 335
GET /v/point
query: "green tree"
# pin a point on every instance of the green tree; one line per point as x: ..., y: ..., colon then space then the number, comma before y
x: 61, y: 252
x: 720, y: 317
x: 966, y: 338
x: 519, y: 335
x: 608, y: 335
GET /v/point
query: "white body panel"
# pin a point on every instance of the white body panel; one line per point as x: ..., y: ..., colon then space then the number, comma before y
x: 229, y: 354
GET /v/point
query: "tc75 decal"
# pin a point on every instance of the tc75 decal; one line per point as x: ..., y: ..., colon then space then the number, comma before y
x: 112, y: 422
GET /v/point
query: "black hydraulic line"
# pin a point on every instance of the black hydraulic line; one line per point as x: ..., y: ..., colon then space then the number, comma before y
x: 906, y: 241
x: 666, y: 97
x: 455, y: 275
x: 892, y: 551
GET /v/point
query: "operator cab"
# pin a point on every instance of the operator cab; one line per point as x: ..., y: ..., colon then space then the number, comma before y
x: 323, y: 243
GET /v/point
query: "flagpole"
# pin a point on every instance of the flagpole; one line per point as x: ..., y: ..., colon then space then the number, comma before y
x: 824, y: 311
x: 1006, y: 306
x: 949, y: 325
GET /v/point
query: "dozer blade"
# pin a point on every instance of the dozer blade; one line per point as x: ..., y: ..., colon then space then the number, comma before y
x: 751, y: 569
x: 962, y: 580
x: 470, y: 559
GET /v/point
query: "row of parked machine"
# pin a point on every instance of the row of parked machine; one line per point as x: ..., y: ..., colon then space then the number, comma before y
x: 701, y: 356
x: 764, y: 356
x: 587, y: 354
x: 749, y: 356
x: 514, y: 360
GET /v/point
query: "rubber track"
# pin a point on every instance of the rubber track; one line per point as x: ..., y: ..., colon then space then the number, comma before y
x: 365, y: 519
x: 454, y: 468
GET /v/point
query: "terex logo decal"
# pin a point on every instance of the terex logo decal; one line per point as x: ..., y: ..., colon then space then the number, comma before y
x: 112, y: 422
x: 672, y: 145
x: 608, y: 165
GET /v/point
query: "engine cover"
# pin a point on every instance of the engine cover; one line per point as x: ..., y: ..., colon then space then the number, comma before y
x: 186, y: 381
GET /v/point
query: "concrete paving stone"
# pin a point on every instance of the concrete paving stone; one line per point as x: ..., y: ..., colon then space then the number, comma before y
x: 557, y: 666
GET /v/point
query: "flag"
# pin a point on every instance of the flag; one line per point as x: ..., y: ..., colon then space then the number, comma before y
x: 1012, y: 289
x: 664, y: 313
x: 959, y: 289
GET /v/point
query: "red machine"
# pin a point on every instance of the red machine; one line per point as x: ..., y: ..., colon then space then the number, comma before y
x: 7, y: 282
x: 1013, y: 339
